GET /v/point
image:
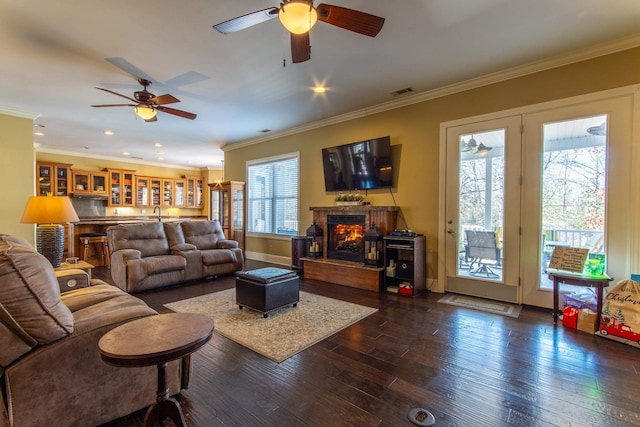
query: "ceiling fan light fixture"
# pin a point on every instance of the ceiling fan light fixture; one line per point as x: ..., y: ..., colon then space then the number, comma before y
x: 298, y: 17
x: 144, y: 112
x: 482, y: 149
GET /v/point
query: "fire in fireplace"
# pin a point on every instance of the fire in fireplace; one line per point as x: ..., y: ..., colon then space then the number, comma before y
x: 345, y: 239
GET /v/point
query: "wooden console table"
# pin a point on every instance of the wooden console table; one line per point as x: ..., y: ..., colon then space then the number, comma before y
x: 576, y: 279
x: 157, y: 340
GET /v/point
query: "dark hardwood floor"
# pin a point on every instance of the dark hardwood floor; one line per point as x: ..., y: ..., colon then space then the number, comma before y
x: 468, y: 368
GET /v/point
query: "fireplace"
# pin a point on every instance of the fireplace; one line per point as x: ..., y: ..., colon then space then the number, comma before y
x: 345, y: 239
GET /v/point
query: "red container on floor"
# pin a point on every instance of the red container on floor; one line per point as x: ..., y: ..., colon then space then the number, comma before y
x: 570, y: 317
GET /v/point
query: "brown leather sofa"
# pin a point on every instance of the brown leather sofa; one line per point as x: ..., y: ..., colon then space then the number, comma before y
x: 148, y: 255
x: 50, y: 366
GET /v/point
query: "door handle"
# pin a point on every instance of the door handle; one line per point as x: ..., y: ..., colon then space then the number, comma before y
x: 451, y: 231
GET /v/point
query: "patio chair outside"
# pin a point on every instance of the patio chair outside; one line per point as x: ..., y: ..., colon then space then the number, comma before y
x: 482, y: 251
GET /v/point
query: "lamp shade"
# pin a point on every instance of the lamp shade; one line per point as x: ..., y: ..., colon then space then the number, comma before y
x: 298, y: 16
x: 49, y: 210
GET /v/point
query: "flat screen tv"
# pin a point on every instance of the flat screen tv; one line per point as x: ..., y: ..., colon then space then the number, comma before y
x: 362, y: 165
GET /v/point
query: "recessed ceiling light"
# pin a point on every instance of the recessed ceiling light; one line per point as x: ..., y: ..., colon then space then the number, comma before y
x: 160, y: 158
x: 160, y: 152
x: 108, y: 132
x: 319, y: 89
x: 39, y: 133
x: 126, y: 154
x: 157, y: 144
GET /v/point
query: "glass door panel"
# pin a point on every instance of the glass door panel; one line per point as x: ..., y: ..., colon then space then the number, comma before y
x: 573, y: 188
x: 142, y: 191
x: 45, y: 178
x: 180, y: 200
x: 116, y: 187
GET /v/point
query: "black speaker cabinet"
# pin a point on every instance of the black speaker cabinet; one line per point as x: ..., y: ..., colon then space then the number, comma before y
x: 404, y: 270
x: 405, y: 264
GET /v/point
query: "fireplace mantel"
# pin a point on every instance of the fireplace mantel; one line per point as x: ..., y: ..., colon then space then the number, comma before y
x: 359, y: 208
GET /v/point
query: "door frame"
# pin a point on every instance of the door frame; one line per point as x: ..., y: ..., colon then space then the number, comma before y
x: 630, y: 261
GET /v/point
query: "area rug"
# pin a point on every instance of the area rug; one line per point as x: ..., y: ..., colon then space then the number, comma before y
x: 495, y: 307
x: 286, y: 332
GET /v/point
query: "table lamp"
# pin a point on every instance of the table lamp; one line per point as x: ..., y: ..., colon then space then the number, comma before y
x: 48, y: 212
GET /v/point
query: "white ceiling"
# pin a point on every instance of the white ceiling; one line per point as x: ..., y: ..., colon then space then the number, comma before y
x: 55, y: 52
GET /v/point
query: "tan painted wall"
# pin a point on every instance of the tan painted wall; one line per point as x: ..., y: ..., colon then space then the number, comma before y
x: 414, y: 132
x: 17, y: 174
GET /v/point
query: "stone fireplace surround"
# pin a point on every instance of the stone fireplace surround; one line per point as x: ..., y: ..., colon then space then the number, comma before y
x: 345, y: 272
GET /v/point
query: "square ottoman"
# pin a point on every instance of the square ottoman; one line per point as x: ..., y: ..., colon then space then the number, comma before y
x: 267, y: 289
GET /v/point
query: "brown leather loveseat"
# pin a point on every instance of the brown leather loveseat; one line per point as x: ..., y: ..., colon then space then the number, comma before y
x: 148, y: 255
x: 50, y: 366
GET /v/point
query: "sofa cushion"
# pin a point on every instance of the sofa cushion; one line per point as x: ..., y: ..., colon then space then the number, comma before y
x: 202, y: 234
x: 218, y: 256
x: 139, y: 270
x: 147, y: 237
x: 101, y: 305
x: 30, y: 305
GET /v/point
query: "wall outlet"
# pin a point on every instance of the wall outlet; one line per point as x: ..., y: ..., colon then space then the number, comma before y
x: 143, y: 211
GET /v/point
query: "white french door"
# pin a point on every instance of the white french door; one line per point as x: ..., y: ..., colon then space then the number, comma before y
x: 503, y: 191
x: 483, y: 208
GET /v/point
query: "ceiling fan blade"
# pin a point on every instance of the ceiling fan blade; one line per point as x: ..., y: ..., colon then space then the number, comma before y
x: 300, y: 47
x: 115, y: 105
x: 175, y: 112
x: 349, y: 19
x: 116, y: 93
x: 164, y: 99
x: 246, y: 21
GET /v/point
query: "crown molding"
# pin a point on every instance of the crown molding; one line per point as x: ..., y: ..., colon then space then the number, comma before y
x: 18, y: 113
x: 573, y: 57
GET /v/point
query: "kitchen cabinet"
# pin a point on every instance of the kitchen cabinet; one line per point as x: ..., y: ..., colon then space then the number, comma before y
x: 85, y: 182
x: 53, y: 178
x: 121, y: 187
x: 195, y: 191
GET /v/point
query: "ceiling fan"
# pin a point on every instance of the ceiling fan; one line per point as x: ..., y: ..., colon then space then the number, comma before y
x: 299, y: 16
x: 147, y: 104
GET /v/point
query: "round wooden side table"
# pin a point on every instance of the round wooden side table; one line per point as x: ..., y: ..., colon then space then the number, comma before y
x: 157, y: 340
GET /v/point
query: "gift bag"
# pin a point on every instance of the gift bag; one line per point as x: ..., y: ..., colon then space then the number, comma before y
x: 620, y: 319
x: 570, y: 317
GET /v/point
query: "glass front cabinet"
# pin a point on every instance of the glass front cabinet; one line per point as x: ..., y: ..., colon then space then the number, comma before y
x: 194, y: 191
x: 53, y: 178
x: 121, y: 187
x: 85, y: 182
x: 228, y: 207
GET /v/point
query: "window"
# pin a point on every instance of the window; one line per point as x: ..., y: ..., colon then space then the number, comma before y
x: 272, y: 192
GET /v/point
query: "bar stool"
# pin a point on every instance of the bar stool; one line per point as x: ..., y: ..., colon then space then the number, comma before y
x: 87, y: 239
